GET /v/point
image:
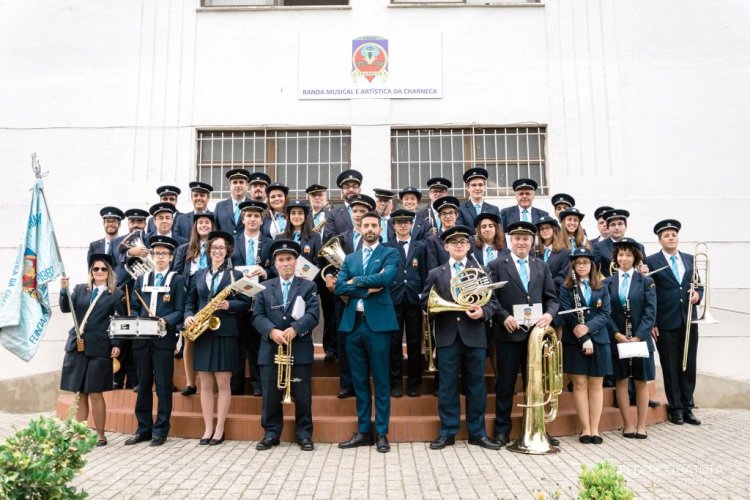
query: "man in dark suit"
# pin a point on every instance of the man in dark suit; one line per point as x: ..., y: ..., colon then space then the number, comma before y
x: 259, y: 181
x: 475, y: 180
x: 167, y: 194
x: 405, y: 291
x: 339, y: 219
x: 158, y: 294
x: 447, y: 210
x: 461, y: 341
x: 601, y: 225
x: 560, y: 202
x: 384, y: 206
x: 368, y: 319
x: 317, y: 197
x: 252, y: 253
x: 617, y: 224
x: 199, y: 194
x: 673, y: 297
x: 529, y: 282
x: 163, y: 215
x: 228, y: 211
x: 438, y: 187
x: 111, y: 220
x: 410, y: 198
x: 285, y: 314
x: 525, y: 190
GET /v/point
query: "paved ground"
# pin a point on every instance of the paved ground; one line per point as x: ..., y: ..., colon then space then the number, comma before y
x: 709, y: 461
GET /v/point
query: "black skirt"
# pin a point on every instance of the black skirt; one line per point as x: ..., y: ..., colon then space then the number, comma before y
x: 86, y: 374
x: 216, y: 354
x: 643, y: 369
x: 598, y: 364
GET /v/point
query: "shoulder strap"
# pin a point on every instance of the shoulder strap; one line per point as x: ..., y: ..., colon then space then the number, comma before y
x: 88, y: 312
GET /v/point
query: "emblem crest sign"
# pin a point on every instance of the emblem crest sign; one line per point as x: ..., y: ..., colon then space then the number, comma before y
x: 369, y: 58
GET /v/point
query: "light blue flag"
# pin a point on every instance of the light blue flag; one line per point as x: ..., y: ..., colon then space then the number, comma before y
x: 24, y: 306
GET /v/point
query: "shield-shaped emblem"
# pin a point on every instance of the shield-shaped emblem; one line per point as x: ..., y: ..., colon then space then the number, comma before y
x: 369, y: 57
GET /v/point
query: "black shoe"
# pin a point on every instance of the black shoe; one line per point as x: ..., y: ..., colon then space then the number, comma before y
x: 690, y: 418
x: 268, y: 443
x: 158, y: 440
x: 214, y: 442
x: 101, y: 442
x: 597, y: 439
x: 205, y: 441
x: 640, y: 436
x: 306, y: 444
x: 346, y: 392
x: 358, y: 439
x: 397, y: 392
x: 676, y: 417
x: 442, y: 441
x: 189, y: 390
x: 553, y: 440
x: 584, y: 439
x: 330, y: 357
x: 653, y: 404
x: 257, y: 392
x: 413, y: 392
x: 116, y: 386
x: 135, y: 388
x: 382, y: 444
x: 629, y: 435
x: 137, y: 438
x: 502, y: 439
x: 485, y: 442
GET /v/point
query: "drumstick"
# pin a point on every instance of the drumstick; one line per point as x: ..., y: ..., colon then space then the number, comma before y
x: 127, y: 299
x: 143, y: 303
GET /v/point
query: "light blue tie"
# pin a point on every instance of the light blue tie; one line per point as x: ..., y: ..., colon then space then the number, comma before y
x: 384, y: 230
x: 203, y: 261
x: 250, y: 257
x: 675, y: 269
x: 547, y: 252
x: 94, y: 294
x: 357, y: 236
x: 524, y: 273
x: 285, y: 292
x: 624, y: 288
x: 478, y: 208
x: 296, y: 236
x: 525, y: 215
x: 350, y: 213
x: 572, y: 243
x: 159, y: 278
x: 214, y: 283
x: 457, y: 266
x: 236, y: 212
x: 489, y: 255
x: 586, y: 291
x: 366, y: 258
x: 281, y: 222
x: 316, y: 218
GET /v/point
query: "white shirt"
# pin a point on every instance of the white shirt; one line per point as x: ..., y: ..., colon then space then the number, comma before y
x: 680, y: 264
x: 405, y: 246
x: 209, y: 279
x: 452, y: 261
x: 256, y: 245
x: 107, y: 243
x: 518, y: 266
x: 528, y: 213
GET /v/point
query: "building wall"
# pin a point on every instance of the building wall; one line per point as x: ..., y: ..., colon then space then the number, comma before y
x: 645, y: 104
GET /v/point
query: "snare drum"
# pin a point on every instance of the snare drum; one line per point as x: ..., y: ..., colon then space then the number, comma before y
x: 136, y: 328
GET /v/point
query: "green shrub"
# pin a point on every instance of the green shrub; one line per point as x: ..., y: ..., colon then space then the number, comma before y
x: 39, y: 461
x: 603, y: 481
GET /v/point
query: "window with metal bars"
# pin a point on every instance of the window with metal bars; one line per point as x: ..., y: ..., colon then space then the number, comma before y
x: 296, y: 158
x: 508, y: 153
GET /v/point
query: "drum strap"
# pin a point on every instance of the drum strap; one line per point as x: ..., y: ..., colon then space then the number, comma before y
x: 88, y: 312
x: 156, y: 290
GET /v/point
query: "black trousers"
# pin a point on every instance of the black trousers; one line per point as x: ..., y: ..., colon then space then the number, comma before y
x: 678, y: 385
x: 272, y: 418
x: 154, y: 366
x: 511, y: 356
x: 128, y: 366
x: 330, y: 325
x: 410, y: 323
x: 249, y: 342
x: 345, y: 372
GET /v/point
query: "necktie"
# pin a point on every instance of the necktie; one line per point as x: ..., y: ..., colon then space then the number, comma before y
x: 401, y: 245
x: 94, y: 294
x: 285, y: 292
x: 106, y: 247
x: 250, y: 257
x: 572, y: 243
x: 203, y: 262
x: 524, y: 273
x: 384, y: 230
x: 357, y: 235
x: 281, y: 222
x: 158, y: 280
x: 349, y: 208
x: 547, y: 251
x: 366, y: 258
x: 457, y: 266
x: 478, y: 208
x: 316, y: 218
x: 296, y: 236
x: 525, y: 215
x: 236, y: 212
x: 215, y: 283
x: 675, y: 269
x: 624, y: 288
x: 586, y: 291
x: 489, y: 255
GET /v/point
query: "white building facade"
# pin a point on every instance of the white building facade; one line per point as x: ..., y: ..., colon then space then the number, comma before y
x: 639, y: 105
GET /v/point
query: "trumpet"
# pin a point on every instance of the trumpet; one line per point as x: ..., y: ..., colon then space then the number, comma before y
x: 284, y: 361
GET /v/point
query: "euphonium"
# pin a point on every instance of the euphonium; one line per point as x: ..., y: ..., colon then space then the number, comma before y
x: 543, y: 387
x: 136, y: 266
x: 333, y: 252
x: 205, y: 319
x: 284, y: 361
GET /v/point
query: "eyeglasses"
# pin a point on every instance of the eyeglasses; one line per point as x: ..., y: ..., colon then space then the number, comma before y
x: 458, y: 243
x: 99, y: 269
x: 160, y: 254
x: 218, y: 249
x: 585, y: 263
x: 448, y: 214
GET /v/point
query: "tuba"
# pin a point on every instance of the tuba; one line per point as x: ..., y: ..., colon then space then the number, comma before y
x: 333, y: 252
x: 470, y: 287
x: 543, y: 387
x: 136, y: 266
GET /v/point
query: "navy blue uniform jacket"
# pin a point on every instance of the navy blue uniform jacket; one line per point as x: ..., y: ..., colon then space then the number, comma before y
x: 672, y: 297
x: 95, y: 334
x: 199, y: 295
x: 171, y: 311
x: 596, y: 317
x: 411, y: 273
x: 642, y: 297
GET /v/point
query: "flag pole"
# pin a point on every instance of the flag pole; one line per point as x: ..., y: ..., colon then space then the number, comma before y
x: 37, y: 169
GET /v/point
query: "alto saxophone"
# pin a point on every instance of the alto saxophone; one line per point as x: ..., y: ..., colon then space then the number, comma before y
x: 205, y: 318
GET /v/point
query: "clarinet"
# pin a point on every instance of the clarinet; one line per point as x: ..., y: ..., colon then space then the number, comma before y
x: 577, y: 298
x: 629, y: 333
